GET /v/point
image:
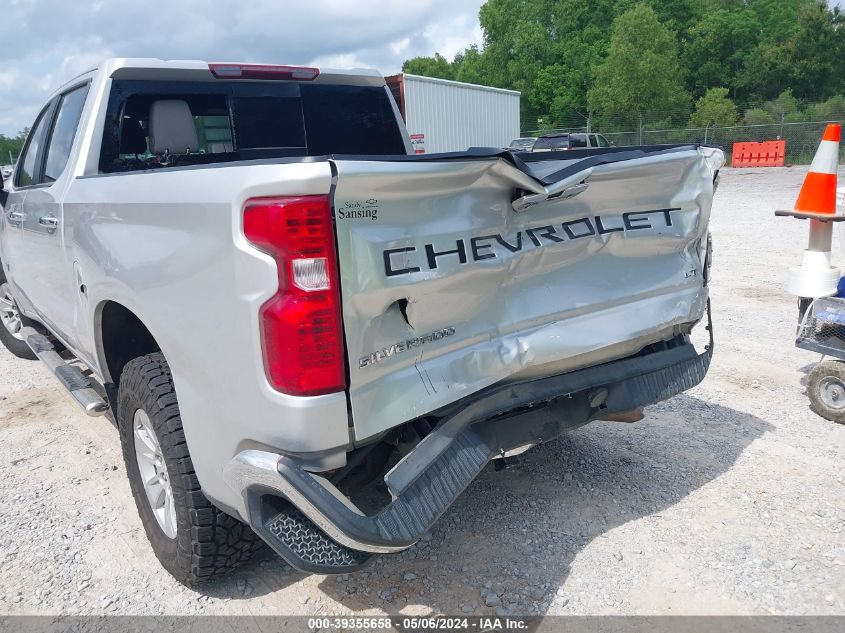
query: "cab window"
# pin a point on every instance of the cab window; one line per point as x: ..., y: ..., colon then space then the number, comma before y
x: 243, y: 120
x: 552, y: 142
x: 577, y: 140
x: 28, y: 163
x: 64, y: 131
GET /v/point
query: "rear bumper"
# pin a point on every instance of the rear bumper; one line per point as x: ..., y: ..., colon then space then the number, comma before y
x: 428, y: 480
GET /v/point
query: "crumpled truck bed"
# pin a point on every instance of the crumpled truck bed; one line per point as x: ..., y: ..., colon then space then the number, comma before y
x: 462, y: 271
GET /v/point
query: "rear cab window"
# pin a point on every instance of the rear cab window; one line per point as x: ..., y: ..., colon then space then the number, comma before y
x: 552, y: 142
x: 577, y: 140
x: 228, y: 121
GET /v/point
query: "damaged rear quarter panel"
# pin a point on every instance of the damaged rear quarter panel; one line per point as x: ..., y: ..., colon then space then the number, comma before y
x: 595, y: 277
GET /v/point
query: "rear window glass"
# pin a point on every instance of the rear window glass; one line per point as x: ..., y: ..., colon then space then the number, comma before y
x: 578, y: 140
x: 350, y: 120
x: 266, y: 122
x: 241, y: 120
x: 552, y: 142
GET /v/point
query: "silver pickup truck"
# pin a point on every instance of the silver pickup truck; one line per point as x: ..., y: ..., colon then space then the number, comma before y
x: 310, y: 337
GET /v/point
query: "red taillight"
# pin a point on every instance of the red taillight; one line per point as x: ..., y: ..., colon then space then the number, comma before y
x: 301, y: 325
x: 263, y: 71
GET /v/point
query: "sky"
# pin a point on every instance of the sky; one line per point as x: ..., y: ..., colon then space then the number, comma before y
x: 46, y: 42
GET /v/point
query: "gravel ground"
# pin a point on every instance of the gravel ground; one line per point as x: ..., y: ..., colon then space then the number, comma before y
x: 725, y: 500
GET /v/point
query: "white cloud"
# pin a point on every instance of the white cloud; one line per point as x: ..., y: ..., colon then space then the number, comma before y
x: 46, y: 42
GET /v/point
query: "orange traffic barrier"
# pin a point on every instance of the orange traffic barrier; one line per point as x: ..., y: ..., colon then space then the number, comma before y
x: 765, y: 154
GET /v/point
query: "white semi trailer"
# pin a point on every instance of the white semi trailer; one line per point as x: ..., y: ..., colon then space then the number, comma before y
x: 450, y: 116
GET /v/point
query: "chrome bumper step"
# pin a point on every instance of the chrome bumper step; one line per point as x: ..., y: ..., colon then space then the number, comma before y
x: 315, y: 528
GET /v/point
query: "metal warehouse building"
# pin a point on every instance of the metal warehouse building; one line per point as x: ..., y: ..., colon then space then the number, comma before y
x: 450, y: 116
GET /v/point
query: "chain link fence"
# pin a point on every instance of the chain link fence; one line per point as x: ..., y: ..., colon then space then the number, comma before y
x: 802, y: 139
x: 800, y: 123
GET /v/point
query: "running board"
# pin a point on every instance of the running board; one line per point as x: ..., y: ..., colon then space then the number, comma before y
x: 78, y: 384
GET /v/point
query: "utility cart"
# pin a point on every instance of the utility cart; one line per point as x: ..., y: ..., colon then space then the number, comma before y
x: 822, y: 330
x: 821, y: 321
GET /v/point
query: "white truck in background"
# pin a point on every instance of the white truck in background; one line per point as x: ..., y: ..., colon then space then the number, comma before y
x: 279, y: 303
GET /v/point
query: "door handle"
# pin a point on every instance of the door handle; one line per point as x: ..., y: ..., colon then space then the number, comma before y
x: 49, y: 221
x: 16, y: 217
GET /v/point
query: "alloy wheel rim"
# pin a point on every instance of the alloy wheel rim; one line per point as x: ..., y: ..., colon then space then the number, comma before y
x: 154, y: 475
x: 9, y: 314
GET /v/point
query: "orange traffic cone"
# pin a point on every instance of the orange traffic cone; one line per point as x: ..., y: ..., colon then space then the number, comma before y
x: 818, y: 195
x: 817, y: 203
x: 817, y: 199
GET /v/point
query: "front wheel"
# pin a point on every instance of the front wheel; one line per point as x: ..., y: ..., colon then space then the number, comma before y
x: 11, y: 323
x: 192, y: 539
x: 826, y: 389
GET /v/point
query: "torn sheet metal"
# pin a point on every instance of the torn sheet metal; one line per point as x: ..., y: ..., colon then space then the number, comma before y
x: 458, y: 273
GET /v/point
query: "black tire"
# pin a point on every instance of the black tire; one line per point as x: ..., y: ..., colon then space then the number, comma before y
x: 15, y: 345
x: 208, y: 542
x: 826, y: 389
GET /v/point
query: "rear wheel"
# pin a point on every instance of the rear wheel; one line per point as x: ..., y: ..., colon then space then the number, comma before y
x: 11, y: 323
x: 826, y: 389
x: 192, y: 539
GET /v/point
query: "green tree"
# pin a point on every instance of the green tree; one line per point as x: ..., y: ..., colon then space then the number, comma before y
x: 817, y: 49
x: 524, y: 37
x: 714, y: 109
x: 558, y: 53
x: 641, y: 74
x: 717, y: 48
x: 778, y: 18
x: 677, y: 15
x: 783, y: 108
x: 766, y: 72
x: 12, y: 146
x: 560, y: 89
x: 437, y: 66
x: 801, y: 45
x: 757, y: 116
x: 471, y: 66
x: 831, y: 110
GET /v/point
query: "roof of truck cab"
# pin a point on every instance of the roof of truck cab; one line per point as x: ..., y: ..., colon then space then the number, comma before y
x: 151, y: 68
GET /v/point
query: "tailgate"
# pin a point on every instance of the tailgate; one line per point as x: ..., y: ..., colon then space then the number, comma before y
x: 458, y: 273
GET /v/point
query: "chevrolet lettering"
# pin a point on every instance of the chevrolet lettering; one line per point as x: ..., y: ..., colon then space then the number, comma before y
x: 484, y: 246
